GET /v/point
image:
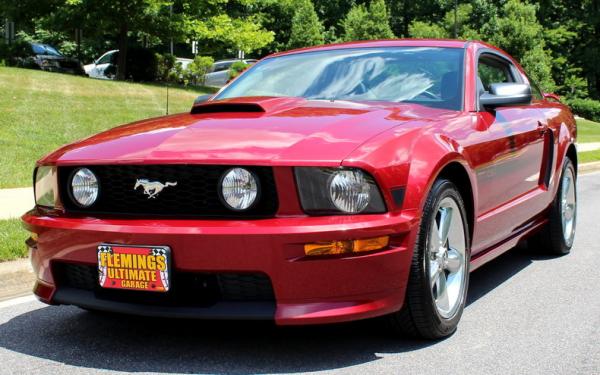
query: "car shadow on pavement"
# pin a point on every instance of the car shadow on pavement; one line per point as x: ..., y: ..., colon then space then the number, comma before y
x: 495, y: 273
x: 75, y: 337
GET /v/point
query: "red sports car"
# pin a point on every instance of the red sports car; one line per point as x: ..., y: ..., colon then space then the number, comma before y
x: 322, y: 185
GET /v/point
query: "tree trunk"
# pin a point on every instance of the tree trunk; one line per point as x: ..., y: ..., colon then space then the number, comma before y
x: 122, y: 61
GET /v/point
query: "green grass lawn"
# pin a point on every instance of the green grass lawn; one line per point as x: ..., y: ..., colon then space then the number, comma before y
x: 588, y: 131
x: 41, y: 111
x: 12, y: 240
x: 589, y: 156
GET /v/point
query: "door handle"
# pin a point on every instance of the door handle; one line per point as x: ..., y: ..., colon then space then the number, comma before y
x: 542, y: 128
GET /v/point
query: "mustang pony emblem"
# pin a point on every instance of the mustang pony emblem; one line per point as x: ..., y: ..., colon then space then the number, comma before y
x: 152, y: 188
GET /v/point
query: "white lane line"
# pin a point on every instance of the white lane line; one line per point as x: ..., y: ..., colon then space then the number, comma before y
x: 17, y: 301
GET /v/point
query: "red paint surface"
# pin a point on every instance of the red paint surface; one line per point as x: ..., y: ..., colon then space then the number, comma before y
x: 504, y: 155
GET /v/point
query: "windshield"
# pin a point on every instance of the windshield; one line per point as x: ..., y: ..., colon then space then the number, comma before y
x: 423, y: 75
x: 44, y: 49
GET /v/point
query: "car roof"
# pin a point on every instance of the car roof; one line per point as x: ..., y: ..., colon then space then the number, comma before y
x: 446, y: 43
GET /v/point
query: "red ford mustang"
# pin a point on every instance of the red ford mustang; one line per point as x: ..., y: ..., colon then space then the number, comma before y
x: 322, y: 185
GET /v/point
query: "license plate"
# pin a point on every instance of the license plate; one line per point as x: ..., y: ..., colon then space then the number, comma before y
x: 134, y: 267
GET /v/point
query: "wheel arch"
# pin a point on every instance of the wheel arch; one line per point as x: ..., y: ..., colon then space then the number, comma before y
x: 456, y: 173
x: 572, y: 154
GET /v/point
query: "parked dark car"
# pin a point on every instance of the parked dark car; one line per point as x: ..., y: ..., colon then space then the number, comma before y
x: 48, y: 58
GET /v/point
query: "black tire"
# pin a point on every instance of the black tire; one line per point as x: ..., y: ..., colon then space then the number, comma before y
x: 419, y: 316
x: 551, y: 239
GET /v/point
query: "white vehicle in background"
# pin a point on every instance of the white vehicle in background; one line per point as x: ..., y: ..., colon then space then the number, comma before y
x: 105, y: 67
x: 219, y: 73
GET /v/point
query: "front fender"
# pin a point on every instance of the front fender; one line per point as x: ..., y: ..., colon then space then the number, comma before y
x: 411, y: 157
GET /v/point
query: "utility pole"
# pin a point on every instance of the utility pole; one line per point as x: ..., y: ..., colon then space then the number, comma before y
x: 9, y: 31
x: 170, y: 16
x: 455, y: 19
x: 78, y: 38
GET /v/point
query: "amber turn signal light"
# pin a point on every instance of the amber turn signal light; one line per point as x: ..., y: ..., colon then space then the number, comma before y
x: 346, y: 247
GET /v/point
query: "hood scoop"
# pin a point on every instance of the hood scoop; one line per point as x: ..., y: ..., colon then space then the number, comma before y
x: 227, y: 108
x: 257, y: 104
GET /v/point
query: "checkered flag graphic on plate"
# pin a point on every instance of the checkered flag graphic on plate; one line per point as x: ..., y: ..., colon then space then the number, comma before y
x: 164, y: 274
x: 101, y: 269
x: 155, y: 252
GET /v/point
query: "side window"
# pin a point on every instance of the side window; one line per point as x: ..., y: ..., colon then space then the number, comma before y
x: 492, y: 70
x: 106, y: 59
x: 220, y: 67
x: 535, y: 89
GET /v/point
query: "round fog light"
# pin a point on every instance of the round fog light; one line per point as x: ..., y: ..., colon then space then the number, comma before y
x: 239, y: 189
x: 84, y: 187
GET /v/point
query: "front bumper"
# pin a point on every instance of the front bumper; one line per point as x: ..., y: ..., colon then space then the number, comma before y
x: 306, y: 289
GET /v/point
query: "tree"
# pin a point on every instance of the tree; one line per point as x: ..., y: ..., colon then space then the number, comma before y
x: 119, y: 17
x: 307, y: 29
x: 446, y: 27
x: 422, y: 29
x: 241, y: 34
x: 367, y: 24
x: 521, y: 35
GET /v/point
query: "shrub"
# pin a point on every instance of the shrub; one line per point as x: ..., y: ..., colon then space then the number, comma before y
x: 587, y: 108
x: 14, y: 53
x: 165, y: 64
x: 237, y: 68
x: 197, y: 69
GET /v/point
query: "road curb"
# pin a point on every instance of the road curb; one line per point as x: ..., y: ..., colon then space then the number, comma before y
x: 16, y: 278
x: 589, y: 167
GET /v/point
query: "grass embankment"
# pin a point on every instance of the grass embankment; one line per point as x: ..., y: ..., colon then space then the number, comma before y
x: 12, y: 240
x: 588, y: 131
x: 41, y: 111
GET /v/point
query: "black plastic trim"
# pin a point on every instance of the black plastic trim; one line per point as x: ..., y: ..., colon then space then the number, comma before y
x: 221, y: 310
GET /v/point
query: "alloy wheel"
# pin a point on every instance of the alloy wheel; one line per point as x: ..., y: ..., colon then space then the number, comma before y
x: 568, y: 206
x: 446, y: 261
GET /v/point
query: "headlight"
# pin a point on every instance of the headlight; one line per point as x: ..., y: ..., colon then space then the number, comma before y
x: 334, y: 190
x: 349, y: 190
x: 239, y: 189
x: 84, y: 187
x: 45, y: 189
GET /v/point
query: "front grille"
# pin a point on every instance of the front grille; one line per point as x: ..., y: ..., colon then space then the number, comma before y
x: 187, y: 288
x: 196, y: 192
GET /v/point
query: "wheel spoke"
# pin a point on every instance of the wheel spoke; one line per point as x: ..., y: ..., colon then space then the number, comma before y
x: 566, y: 186
x: 442, y: 293
x: 444, y: 225
x: 454, y: 261
x: 434, y: 271
x: 436, y: 242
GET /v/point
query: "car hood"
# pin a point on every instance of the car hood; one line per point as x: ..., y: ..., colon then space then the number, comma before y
x: 252, y: 131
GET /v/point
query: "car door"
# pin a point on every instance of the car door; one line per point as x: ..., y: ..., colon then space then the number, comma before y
x: 219, y: 75
x: 515, y: 149
x: 104, y: 64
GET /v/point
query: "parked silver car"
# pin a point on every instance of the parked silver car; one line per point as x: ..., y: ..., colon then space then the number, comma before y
x: 219, y: 73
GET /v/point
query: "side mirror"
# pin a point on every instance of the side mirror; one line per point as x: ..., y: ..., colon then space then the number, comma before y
x: 505, y: 94
x: 202, y: 98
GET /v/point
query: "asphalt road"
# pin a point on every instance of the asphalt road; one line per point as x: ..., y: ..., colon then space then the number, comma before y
x: 526, y: 315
